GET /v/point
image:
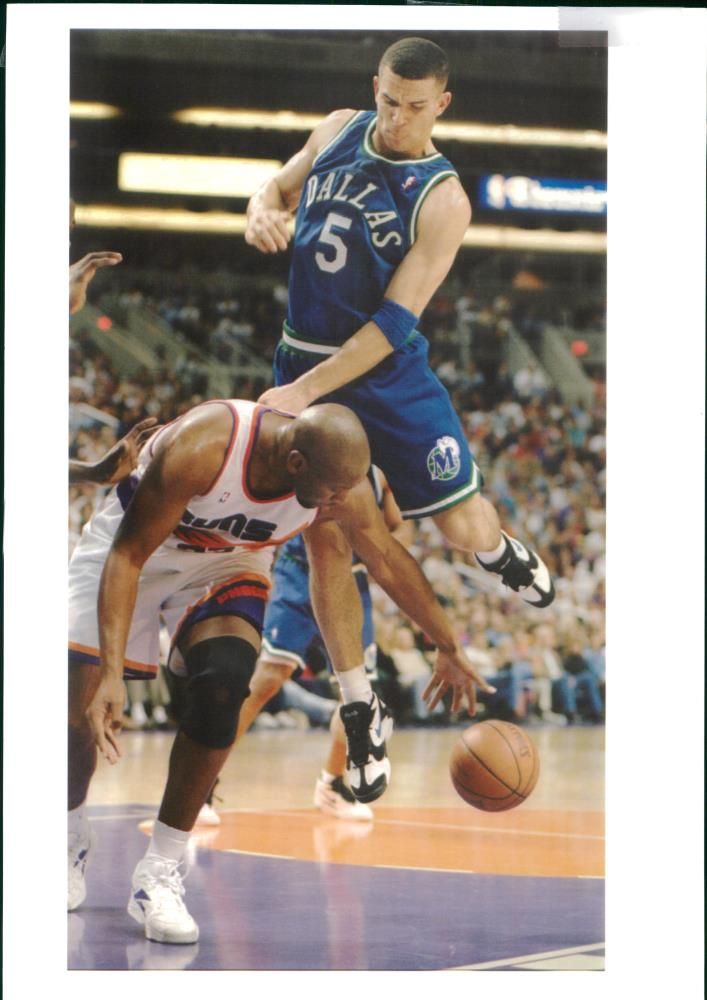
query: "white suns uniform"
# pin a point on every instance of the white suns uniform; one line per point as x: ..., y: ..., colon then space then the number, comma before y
x: 217, y: 560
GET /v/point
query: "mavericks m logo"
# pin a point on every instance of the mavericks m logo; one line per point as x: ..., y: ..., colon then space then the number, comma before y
x: 443, y: 461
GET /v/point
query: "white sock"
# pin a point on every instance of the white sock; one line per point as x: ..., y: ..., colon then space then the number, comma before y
x: 168, y: 842
x: 355, y: 685
x: 78, y: 823
x: 327, y: 777
x: 495, y: 555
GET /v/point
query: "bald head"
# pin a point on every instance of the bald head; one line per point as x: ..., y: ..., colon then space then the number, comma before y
x: 328, y: 453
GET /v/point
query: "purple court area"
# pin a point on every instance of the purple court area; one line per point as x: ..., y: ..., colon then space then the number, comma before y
x: 265, y: 913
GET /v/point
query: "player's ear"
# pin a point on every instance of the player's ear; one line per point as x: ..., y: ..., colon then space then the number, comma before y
x: 296, y: 462
x: 375, y: 86
x: 444, y: 102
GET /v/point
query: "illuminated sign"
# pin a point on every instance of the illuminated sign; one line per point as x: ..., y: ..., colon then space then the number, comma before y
x: 542, y: 194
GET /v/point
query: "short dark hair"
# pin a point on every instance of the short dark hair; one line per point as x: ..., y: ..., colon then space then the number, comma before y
x: 416, y: 59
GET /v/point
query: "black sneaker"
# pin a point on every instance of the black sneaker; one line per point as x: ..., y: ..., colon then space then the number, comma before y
x: 524, y: 571
x: 367, y: 727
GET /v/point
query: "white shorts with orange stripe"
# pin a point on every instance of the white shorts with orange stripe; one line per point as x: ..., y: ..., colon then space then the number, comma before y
x: 177, y: 588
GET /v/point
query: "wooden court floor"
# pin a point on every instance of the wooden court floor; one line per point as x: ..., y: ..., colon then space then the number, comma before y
x: 426, y: 852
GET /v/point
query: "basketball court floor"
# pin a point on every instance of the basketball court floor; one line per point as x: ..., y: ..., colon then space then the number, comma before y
x: 431, y: 884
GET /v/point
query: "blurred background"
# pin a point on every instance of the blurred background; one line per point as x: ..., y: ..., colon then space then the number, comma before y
x: 171, y: 131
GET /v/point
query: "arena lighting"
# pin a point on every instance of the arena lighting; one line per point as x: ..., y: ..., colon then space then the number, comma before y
x: 93, y: 109
x: 231, y: 223
x: 205, y: 175
x: 513, y: 238
x: 472, y: 132
x: 167, y: 219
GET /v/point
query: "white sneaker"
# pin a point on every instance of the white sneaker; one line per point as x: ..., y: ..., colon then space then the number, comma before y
x: 367, y: 727
x: 265, y: 721
x: 335, y: 799
x: 523, y: 570
x: 80, y: 849
x: 138, y: 715
x: 156, y: 902
x: 208, y: 816
x: 554, y: 718
x: 159, y: 715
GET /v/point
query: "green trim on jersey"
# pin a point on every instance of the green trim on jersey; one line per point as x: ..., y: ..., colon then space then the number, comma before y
x: 294, y: 344
x: 473, y: 486
x: 443, y: 175
x: 370, y: 150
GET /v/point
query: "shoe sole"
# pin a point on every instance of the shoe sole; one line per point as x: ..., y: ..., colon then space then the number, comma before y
x: 158, y: 936
x: 374, y: 791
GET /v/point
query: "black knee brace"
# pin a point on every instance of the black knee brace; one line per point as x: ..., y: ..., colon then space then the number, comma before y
x: 219, y: 671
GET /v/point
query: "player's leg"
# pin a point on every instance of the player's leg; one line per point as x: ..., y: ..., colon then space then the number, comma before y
x: 366, y: 719
x: 418, y: 440
x: 219, y: 654
x: 267, y: 680
x: 473, y: 526
x: 82, y: 756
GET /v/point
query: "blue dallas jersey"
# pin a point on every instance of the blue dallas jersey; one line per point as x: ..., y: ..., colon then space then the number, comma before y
x: 356, y: 221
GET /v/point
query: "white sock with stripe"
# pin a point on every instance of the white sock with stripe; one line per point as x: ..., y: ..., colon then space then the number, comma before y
x: 355, y: 685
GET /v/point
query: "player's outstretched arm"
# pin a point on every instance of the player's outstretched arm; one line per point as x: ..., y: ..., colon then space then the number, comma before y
x: 186, y: 463
x: 119, y: 461
x: 335, y: 598
x: 82, y: 272
x: 443, y: 220
x: 400, y: 576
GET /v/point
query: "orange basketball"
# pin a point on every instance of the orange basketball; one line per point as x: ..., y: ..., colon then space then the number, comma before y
x: 494, y: 765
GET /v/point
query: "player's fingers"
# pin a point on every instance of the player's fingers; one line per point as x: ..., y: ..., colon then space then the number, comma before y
x: 471, y: 698
x: 105, y: 258
x: 95, y: 721
x: 145, y: 429
x: 148, y: 422
x: 438, y: 695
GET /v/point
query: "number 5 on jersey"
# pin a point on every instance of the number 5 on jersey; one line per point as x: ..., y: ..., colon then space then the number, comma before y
x: 331, y: 239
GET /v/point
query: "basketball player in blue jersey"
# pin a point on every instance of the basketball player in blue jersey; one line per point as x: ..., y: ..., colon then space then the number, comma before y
x: 380, y: 216
x: 188, y: 539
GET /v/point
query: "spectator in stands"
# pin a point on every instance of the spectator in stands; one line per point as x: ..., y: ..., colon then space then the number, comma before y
x: 583, y: 683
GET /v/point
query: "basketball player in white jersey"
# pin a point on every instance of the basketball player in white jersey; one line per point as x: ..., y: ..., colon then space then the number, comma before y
x: 188, y: 539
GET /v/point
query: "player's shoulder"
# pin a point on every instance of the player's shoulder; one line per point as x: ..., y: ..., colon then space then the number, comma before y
x: 204, y: 428
x: 330, y: 126
x: 446, y: 200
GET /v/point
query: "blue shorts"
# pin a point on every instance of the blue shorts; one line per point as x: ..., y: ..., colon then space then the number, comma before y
x: 290, y: 628
x: 415, y: 435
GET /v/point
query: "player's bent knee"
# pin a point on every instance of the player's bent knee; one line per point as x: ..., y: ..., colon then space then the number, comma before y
x: 219, y: 672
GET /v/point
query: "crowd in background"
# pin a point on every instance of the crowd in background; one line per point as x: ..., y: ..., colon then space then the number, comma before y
x: 543, y: 462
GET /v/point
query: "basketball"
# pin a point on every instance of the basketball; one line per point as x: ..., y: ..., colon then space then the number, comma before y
x: 494, y: 766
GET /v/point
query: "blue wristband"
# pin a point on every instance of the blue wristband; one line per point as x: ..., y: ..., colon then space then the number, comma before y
x: 395, y: 322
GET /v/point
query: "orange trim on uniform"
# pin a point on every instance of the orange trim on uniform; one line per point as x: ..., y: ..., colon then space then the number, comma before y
x: 77, y: 647
x: 219, y: 586
x: 258, y: 414
x: 231, y: 444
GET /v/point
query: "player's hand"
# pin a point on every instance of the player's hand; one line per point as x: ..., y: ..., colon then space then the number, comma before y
x: 289, y: 398
x: 105, y: 717
x: 83, y: 270
x: 456, y: 671
x: 268, y: 229
x: 122, y: 458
